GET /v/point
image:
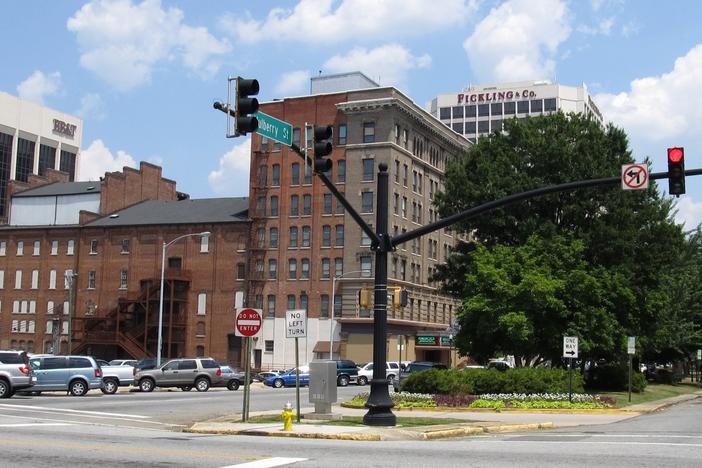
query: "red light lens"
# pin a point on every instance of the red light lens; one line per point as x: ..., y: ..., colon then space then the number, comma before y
x: 675, y: 154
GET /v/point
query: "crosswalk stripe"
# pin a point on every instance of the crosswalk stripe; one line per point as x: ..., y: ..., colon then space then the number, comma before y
x: 35, y: 424
x: 267, y: 463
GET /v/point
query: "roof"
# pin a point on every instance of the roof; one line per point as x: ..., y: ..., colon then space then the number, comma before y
x: 205, y: 210
x: 61, y: 188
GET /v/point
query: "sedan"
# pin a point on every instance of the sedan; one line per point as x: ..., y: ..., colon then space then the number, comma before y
x: 288, y: 379
x: 230, y: 378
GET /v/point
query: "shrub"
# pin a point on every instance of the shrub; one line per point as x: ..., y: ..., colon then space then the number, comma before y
x: 481, y: 381
x: 615, y: 377
x: 664, y: 376
x: 454, y: 400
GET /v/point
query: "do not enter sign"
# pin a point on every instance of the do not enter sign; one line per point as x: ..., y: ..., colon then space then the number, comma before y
x: 247, y: 322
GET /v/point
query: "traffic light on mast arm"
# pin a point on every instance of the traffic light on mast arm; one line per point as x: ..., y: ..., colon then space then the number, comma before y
x: 322, y: 147
x: 676, y: 171
x: 245, y: 105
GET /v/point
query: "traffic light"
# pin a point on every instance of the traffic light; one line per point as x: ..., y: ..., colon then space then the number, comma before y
x: 399, y: 297
x: 364, y: 298
x: 676, y: 171
x: 322, y: 147
x: 245, y: 105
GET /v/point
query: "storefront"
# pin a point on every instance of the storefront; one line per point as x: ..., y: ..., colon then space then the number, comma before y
x: 435, y: 348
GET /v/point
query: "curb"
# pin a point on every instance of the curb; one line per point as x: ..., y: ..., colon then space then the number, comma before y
x: 472, y: 430
x: 294, y: 435
x: 452, y: 409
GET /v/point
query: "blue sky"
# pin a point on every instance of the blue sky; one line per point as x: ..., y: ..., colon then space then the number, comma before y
x: 143, y: 74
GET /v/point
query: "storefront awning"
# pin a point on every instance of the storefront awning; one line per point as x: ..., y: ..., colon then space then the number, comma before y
x: 323, y: 347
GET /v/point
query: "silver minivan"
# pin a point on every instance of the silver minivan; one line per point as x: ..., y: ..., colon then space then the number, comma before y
x: 75, y: 374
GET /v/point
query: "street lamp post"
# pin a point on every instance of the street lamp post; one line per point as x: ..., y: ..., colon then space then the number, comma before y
x: 333, y: 300
x: 160, y: 302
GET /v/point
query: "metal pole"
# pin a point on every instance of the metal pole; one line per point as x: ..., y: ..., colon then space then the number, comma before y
x: 160, y: 306
x: 71, y: 305
x: 247, y: 378
x: 379, y: 403
x: 570, y: 380
x: 331, y: 320
x: 297, y: 377
x: 630, y: 378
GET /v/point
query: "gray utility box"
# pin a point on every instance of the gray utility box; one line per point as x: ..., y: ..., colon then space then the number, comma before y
x: 323, y: 389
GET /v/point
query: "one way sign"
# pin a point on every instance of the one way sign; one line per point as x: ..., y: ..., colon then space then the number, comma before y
x: 570, y: 346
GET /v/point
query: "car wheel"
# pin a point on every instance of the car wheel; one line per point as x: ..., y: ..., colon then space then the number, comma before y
x: 233, y: 385
x: 278, y: 383
x: 362, y: 380
x: 202, y: 384
x: 146, y: 385
x: 78, y: 388
x: 343, y: 380
x: 4, y: 389
x: 187, y: 388
x: 110, y: 387
x: 390, y: 378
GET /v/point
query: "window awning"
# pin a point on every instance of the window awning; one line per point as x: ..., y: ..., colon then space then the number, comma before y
x: 323, y: 347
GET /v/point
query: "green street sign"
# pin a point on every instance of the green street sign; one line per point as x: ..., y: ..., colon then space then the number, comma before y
x: 273, y: 128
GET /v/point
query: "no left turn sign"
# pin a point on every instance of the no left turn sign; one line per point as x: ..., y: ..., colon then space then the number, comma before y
x: 634, y: 176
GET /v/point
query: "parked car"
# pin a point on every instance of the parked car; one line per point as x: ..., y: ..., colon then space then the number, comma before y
x: 15, y: 373
x: 416, y: 366
x: 499, y: 364
x: 287, y: 379
x: 123, y: 362
x: 346, y: 372
x: 146, y: 363
x: 185, y: 374
x: 262, y: 376
x: 115, y: 376
x: 76, y: 374
x: 365, y: 374
x: 231, y: 378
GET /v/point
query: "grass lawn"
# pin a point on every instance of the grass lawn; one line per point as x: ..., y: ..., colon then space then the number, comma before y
x: 358, y: 421
x: 651, y: 393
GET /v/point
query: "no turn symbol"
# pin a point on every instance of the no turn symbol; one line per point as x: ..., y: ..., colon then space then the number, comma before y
x: 634, y: 176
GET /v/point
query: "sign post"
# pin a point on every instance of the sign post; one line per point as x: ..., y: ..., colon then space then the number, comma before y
x: 699, y: 369
x: 247, y: 323
x: 570, y: 351
x: 296, y: 327
x: 630, y: 350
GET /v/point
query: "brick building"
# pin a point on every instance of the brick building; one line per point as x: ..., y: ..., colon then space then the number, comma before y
x: 302, y: 238
x: 95, y: 247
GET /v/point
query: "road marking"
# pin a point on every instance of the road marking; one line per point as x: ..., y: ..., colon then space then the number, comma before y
x: 136, y: 416
x: 91, y: 423
x: 586, y: 442
x: 660, y: 436
x: 268, y: 463
x: 35, y: 424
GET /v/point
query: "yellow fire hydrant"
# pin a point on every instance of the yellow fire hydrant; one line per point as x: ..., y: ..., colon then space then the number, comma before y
x: 287, y: 416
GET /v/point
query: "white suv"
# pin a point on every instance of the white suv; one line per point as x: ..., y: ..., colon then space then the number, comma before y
x: 365, y: 374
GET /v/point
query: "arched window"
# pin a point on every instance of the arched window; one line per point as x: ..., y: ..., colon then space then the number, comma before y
x: 200, y: 329
x: 200, y: 351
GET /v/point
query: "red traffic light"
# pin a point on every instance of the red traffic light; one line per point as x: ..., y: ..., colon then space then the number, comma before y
x: 675, y: 154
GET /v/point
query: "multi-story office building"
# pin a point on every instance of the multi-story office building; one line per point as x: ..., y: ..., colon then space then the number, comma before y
x: 33, y: 140
x: 304, y: 243
x: 479, y: 110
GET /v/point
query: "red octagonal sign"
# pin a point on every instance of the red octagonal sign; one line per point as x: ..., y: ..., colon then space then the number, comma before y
x: 247, y: 322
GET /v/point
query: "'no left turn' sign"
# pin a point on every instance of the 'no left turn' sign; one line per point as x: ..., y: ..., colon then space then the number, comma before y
x: 634, y: 176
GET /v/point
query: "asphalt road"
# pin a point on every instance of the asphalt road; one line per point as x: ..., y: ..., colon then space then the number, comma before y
x: 672, y: 437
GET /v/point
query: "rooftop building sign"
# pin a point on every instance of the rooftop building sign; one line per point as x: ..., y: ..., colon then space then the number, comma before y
x: 496, y: 96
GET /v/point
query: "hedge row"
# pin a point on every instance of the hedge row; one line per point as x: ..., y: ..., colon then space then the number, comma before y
x: 615, y: 377
x: 481, y: 381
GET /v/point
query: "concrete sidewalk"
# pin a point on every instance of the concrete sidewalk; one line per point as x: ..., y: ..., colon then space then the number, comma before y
x: 474, y: 422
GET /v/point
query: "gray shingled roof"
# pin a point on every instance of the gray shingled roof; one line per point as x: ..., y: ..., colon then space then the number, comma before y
x: 61, y: 188
x: 204, y: 210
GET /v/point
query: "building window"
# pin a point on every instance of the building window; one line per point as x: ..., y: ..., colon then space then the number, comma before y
x: 326, y: 236
x: 37, y: 246
x: 340, y: 206
x: 67, y: 164
x: 295, y: 174
x: 337, y: 305
x: 123, y: 279
x: 2, y: 279
x: 261, y: 206
x: 445, y: 113
x: 262, y: 176
x: 325, y: 268
x: 327, y: 206
x: 54, y: 247
x: 200, y: 329
x: 18, y: 279
x: 457, y: 127
x: 342, y: 134
x: 304, y: 300
x: 339, y: 238
x: 293, y: 237
x: 272, y: 269
x: 264, y: 144
x: 276, y: 145
x: 291, y: 302
x: 496, y: 108
x: 308, y: 174
x: 52, y: 279
x: 199, y: 351
x: 294, y: 205
x: 296, y: 136
x: 292, y: 268
x: 305, y: 264
x: 338, y: 266
x: 550, y: 104
x: 368, y: 132
x: 47, y: 159
x: 306, y: 234
x: 366, y: 263
x: 270, y: 312
x: 307, y: 205
x: 261, y: 238
x: 125, y: 246
x: 483, y: 126
x: 20, y: 248
x: 366, y: 202
x: 483, y: 110
x: 240, y: 271
x: 341, y: 171
x: 50, y: 307
x: 536, y: 105
x: 405, y: 174
x: 25, y: 159
x: 91, y: 279
x: 368, y: 166
x: 93, y: 247
x: 275, y: 180
x: 324, y: 306
x: 274, y: 205
x: 510, y: 108
x: 523, y: 107
x: 269, y: 346
x: 204, y: 244
x: 202, y: 303
x: 35, y: 279
x: 259, y: 268
x: 274, y: 238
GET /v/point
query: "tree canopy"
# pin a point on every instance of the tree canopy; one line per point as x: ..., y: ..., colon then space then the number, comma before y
x: 622, y: 244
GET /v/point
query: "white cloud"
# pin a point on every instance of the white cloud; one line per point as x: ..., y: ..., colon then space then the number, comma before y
x: 293, y: 82
x: 122, y: 42
x: 657, y: 108
x: 318, y: 20
x: 156, y: 159
x: 688, y: 213
x: 38, y: 86
x: 98, y: 159
x: 232, y: 177
x: 518, y: 40
x: 91, y: 106
x: 387, y: 64
x: 604, y: 27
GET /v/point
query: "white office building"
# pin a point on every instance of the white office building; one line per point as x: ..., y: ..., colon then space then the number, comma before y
x: 33, y: 139
x: 478, y: 110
